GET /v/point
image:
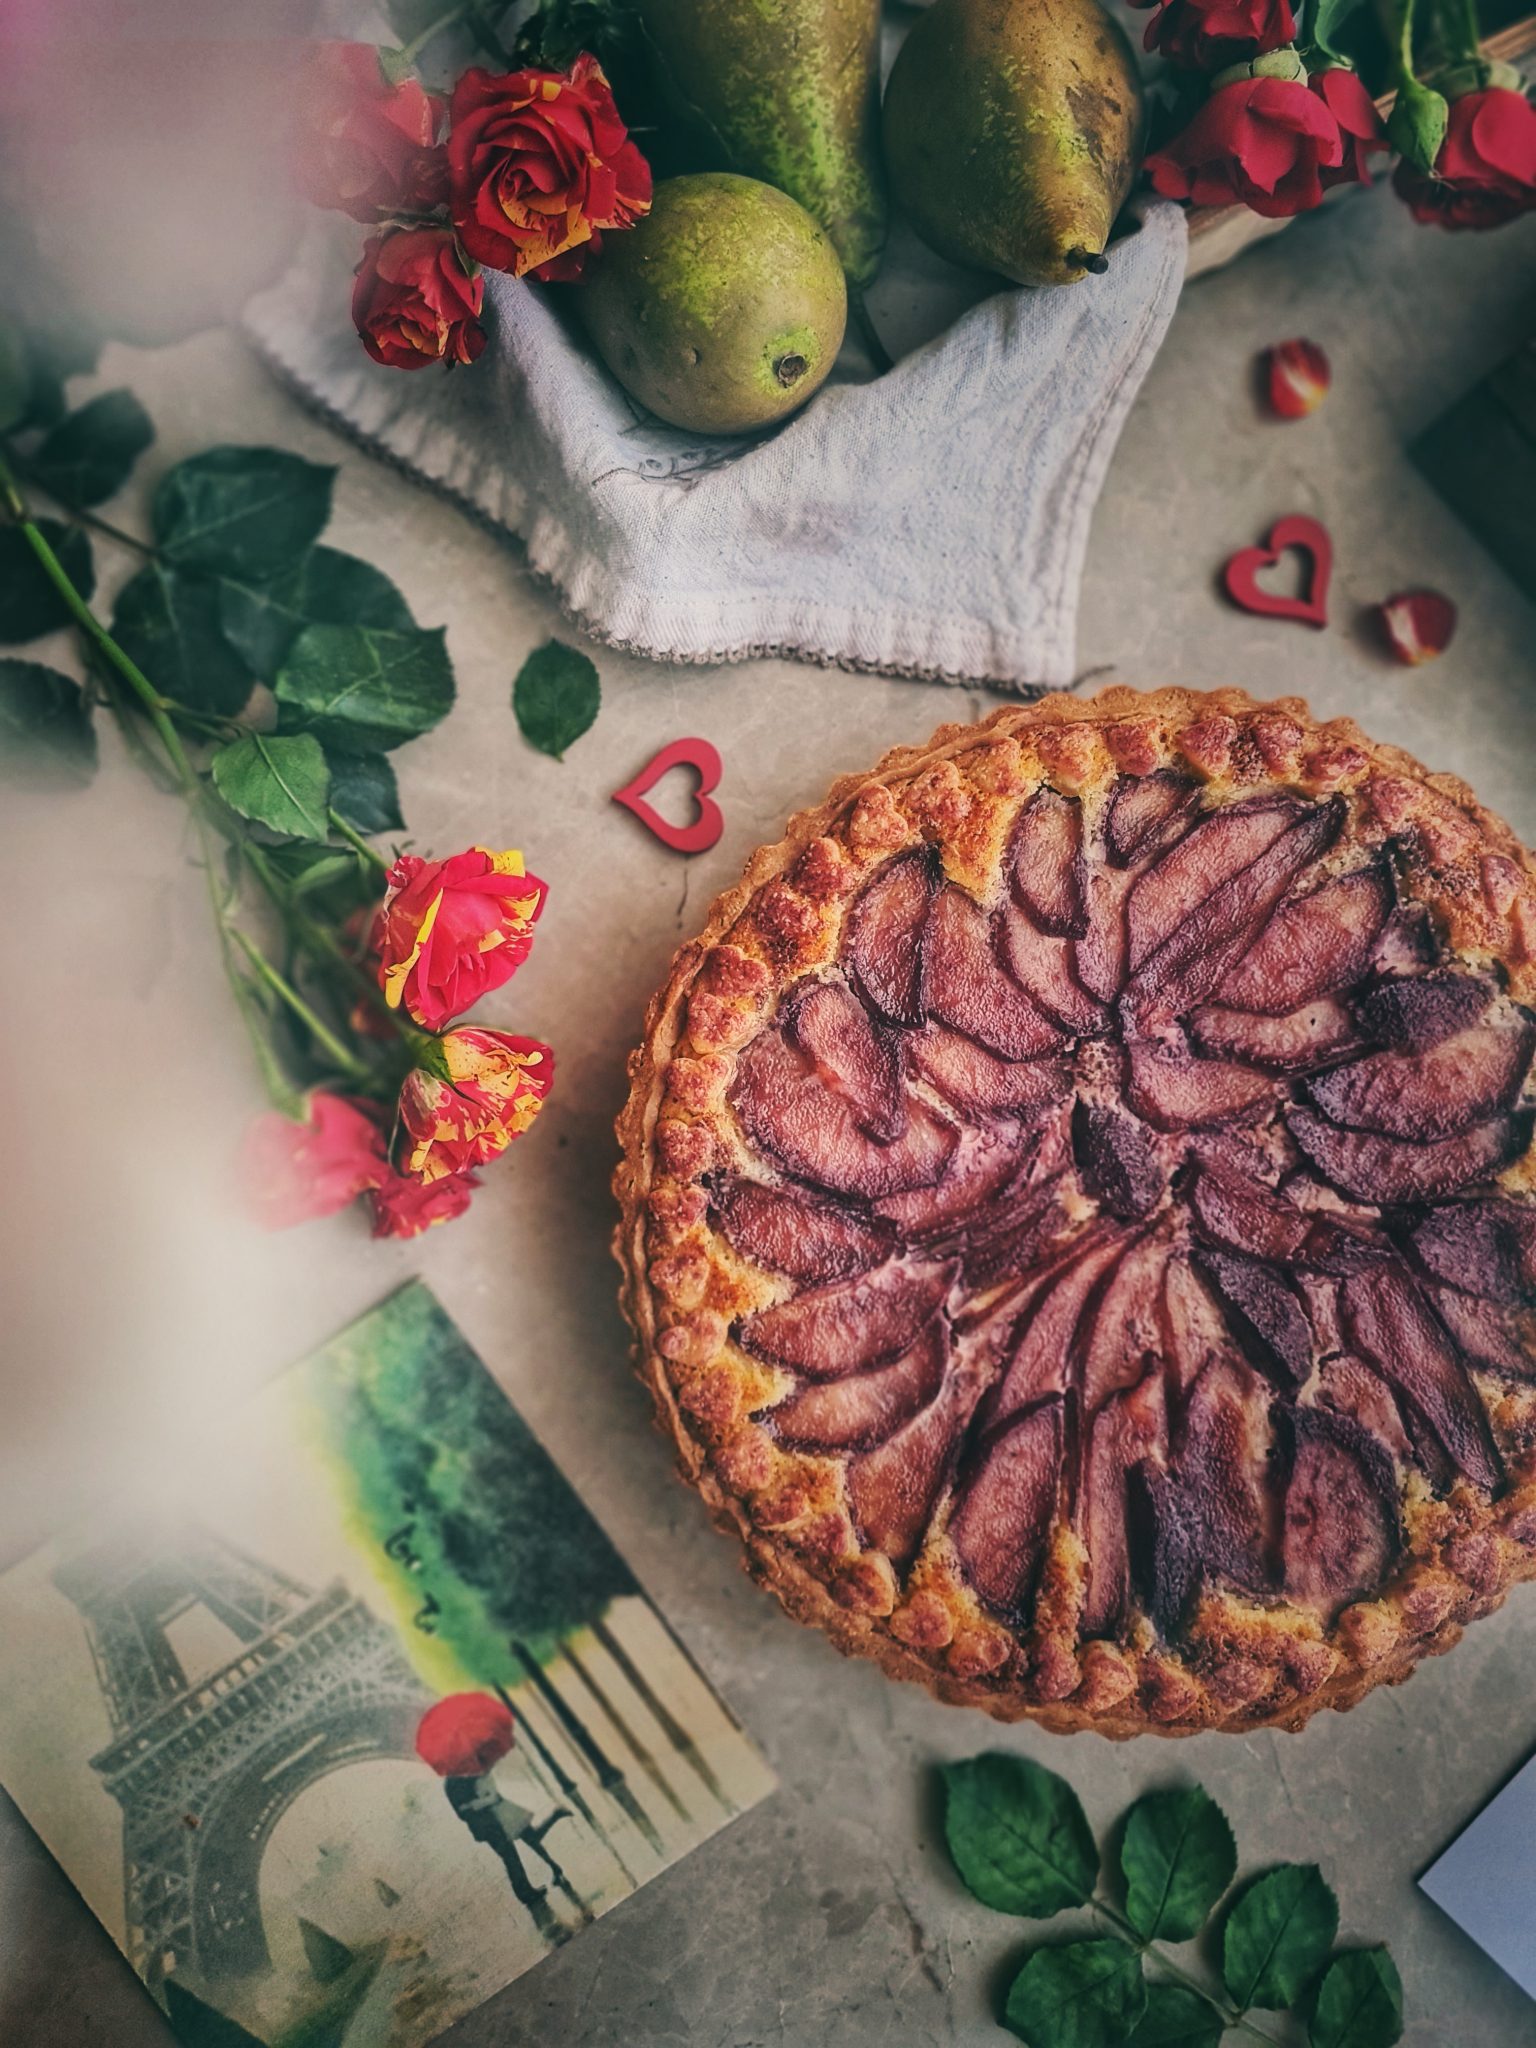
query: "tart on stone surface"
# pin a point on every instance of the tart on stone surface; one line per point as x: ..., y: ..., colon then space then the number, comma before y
x: 1078, y: 1212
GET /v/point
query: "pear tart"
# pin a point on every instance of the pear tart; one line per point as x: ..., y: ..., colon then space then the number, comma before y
x: 1078, y: 1213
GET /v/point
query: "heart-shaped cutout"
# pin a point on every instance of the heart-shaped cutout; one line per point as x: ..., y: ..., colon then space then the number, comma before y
x: 1309, y: 537
x: 703, y: 757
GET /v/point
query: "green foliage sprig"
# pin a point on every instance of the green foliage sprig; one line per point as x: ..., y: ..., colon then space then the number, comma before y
x: 1022, y: 1844
x: 257, y: 673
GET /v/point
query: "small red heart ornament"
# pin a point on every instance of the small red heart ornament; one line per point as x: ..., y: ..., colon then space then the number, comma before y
x: 703, y: 757
x: 1309, y: 537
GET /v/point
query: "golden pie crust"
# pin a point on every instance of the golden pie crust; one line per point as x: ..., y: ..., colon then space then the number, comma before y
x: 1244, y: 1661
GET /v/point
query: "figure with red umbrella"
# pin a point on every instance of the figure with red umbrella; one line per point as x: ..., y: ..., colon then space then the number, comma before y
x: 463, y: 1738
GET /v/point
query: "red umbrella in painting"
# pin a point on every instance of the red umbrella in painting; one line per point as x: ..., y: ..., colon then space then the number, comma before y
x: 463, y: 1738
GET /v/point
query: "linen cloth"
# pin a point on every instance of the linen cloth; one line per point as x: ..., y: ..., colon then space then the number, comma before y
x: 930, y: 522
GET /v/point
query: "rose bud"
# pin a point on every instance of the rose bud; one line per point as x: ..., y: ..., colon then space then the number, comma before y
x: 293, y: 1172
x: 538, y: 163
x: 1262, y: 142
x: 450, y: 931
x: 1207, y: 35
x: 1485, y: 173
x: 368, y: 147
x: 1296, y: 378
x: 1417, y: 625
x: 486, y: 1089
x: 414, y: 303
x: 403, y: 1207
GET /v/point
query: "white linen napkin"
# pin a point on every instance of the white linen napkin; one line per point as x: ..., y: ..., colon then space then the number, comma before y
x: 930, y: 522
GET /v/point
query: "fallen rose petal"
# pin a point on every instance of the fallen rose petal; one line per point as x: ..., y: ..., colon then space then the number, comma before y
x: 1417, y: 625
x: 1296, y: 378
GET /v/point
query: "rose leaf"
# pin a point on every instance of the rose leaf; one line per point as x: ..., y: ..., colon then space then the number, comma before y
x: 1018, y: 1835
x: 90, y: 455
x: 555, y: 697
x: 1085, y: 1994
x: 278, y: 780
x: 29, y: 602
x: 1359, y: 2002
x: 1178, y: 1858
x: 324, y: 588
x: 1277, y: 1936
x: 47, y: 740
x: 250, y: 513
x: 167, y: 621
x: 364, y: 689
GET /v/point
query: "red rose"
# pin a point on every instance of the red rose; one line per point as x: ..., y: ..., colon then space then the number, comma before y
x: 1263, y: 142
x: 403, y: 1207
x: 296, y: 1171
x: 538, y: 163
x: 452, y: 930
x: 1207, y: 35
x: 487, y: 1089
x: 368, y: 147
x: 1485, y: 173
x: 1360, y: 126
x: 465, y: 1735
x: 414, y: 303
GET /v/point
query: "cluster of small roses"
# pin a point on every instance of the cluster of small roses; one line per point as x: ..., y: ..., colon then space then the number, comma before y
x: 448, y: 933
x: 1279, y: 126
x: 534, y: 168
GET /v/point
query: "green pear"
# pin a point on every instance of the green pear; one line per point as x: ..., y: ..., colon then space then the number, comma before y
x: 723, y: 309
x: 786, y: 91
x: 1013, y: 131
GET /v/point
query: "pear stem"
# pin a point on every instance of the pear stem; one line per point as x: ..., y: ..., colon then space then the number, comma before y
x: 1089, y: 259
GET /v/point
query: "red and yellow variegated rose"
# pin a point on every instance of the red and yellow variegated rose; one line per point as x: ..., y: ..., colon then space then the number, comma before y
x: 538, y: 164
x: 367, y: 147
x: 414, y: 303
x: 293, y: 1172
x: 452, y: 930
x: 403, y: 1207
x: 488, y: 1088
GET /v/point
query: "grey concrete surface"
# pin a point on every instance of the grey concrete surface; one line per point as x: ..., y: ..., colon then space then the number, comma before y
x: 135, y: 1306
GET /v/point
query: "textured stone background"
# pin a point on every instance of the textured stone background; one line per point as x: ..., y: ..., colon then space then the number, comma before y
x: 135, y: 1305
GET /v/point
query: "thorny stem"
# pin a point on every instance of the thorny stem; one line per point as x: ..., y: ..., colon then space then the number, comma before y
x: 342, y: 1056
x: 1229, y: 2015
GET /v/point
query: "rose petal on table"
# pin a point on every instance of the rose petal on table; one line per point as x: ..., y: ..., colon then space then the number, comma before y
x: 1296, y: 378
x: 1417, y: 625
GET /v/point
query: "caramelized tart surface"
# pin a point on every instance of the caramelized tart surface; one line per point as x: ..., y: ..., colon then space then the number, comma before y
x: 1078, y: 1218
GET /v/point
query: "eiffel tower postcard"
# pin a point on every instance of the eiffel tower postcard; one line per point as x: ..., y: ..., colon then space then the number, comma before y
x: 368, y: 1717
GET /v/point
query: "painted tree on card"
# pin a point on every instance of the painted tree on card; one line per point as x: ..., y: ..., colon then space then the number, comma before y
x: 493, y: 1556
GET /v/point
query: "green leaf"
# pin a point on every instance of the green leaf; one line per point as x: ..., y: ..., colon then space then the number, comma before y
x: 168, y: 622
x: 555, y: 697
x: 1417, y: 123
x: 1019, y: 1837
x: 1086, y: 1994
x: 1278, y: 1935
x: 1176, y: 2017
x: 1359, y: 2003
x: 1328, y: 17
x: 249, y: 513
x: 327, y: 588
x: 364, y: 791
x: 29, y: 602
x: 277, y: 780
x: 91, y: 454
x: 47, y: 740
x: 362, y: 689
x: 1178, y: 1858
x: 15, y: 374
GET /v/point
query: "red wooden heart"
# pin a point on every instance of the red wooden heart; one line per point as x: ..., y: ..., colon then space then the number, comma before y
x: 1309, y: 537
x: 704, y: 759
